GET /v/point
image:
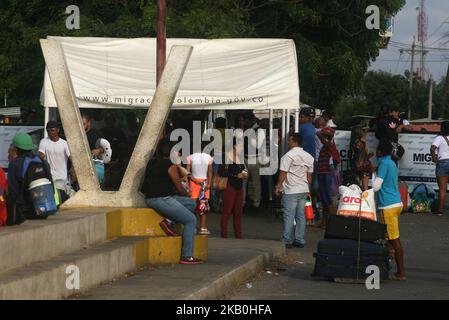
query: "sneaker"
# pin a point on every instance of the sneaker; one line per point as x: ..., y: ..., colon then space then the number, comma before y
x: 298, y: 244
x: 204, y: 231
x: 190, y: 260
x: 166, y: 226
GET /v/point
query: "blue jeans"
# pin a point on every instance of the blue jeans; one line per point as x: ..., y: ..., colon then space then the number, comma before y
x: 442, y: 168
x: 293, y: 210
x: 325, y: 182
x: 179, y: 209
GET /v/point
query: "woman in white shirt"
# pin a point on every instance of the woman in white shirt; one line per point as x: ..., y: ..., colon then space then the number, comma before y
x: 200, y: 165
x: 440, y: 155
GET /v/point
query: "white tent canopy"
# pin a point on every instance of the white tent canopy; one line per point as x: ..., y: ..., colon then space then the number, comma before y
x: 221, y: 74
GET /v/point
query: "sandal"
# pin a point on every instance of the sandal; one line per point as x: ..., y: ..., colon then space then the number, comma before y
x: 397, y: 278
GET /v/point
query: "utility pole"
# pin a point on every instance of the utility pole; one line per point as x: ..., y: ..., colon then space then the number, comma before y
x: 409, y: 111
x: 422, y: 38
x: 444, y: 104
x: 430, y: 97
x: 161, y: 37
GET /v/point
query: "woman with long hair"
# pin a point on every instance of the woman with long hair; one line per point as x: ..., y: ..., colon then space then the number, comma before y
x: 440, y: 155
x: 234, y: 169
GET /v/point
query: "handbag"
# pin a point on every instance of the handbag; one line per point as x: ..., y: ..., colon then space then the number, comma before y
x: 220, y: 183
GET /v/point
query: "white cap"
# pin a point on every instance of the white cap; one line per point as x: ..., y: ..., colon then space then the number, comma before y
x: 331, y: 124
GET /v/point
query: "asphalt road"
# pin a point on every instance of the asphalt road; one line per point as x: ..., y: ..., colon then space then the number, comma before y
x: 425, y: 239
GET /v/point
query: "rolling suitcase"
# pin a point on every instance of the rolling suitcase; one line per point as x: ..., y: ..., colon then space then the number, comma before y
x: 341, y: 227
x: 340, y: 258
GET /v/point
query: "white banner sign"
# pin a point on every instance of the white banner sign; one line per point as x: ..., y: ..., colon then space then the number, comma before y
x: 416, y: 165
x: 7, y: 133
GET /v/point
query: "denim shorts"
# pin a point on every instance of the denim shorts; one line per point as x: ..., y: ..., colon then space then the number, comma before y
x: 442, y: 168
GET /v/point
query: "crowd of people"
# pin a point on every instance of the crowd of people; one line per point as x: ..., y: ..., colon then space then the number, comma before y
x: 181, y: 192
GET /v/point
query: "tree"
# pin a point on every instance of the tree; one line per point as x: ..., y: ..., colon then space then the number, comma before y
x: 334, y: 47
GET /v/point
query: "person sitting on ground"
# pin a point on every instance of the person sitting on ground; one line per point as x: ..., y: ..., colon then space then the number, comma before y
x: 200, y: 165
x: 165, y: 194
x: 390, y: 203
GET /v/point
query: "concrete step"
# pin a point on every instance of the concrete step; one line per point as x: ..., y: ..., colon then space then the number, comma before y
x: 37, y: 240
x: 48, y: 279
x: 134, y: 222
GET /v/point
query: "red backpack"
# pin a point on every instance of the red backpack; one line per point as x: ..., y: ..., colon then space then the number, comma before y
x: 3, y: 190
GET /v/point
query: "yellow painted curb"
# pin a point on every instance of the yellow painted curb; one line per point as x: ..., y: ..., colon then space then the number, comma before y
x: 168, y: 249
x: 134, y: 222
x: 157, y: 248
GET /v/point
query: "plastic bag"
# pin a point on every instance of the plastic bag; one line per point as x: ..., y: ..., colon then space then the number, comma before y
x: 354, y: 202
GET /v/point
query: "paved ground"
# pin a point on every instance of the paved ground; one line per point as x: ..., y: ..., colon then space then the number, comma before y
x: 426, y: 243
x: 425, y: 239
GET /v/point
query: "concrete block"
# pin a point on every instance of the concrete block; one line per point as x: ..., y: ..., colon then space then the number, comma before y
x: 134, y: 222
x: 168, y: 249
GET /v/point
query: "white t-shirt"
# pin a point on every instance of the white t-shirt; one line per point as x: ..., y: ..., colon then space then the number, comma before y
x: 56, y: 154
x: 297, y: 163
x: 443, y: 148
x: 200, y: 163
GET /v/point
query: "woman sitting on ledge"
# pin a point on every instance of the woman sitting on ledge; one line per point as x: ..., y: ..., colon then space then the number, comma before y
x: 165, y: 194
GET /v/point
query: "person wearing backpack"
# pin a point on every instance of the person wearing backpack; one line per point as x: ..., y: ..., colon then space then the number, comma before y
x: 440, y: 155
x: 22, y: 172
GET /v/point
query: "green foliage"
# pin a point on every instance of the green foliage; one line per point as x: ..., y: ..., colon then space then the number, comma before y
x: 380, y: 90
x: 334, y: 46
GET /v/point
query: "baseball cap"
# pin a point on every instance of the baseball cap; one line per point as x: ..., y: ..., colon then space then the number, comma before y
x: 331, y: 124
x: 23, y: 141
x: 51, y: 125
x: 308, y: 112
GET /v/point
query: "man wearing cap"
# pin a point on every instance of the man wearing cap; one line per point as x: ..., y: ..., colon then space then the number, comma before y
x: 307, y: 130
x: 19, y: 204
x: 56, y: 151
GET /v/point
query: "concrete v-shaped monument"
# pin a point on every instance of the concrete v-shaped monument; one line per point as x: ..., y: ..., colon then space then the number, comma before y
x: 90, y: 194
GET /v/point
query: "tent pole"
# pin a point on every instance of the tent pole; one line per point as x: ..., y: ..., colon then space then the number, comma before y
x: 47, y: 118
x: 297, y: 120
x: 287, y: 128
x: 270, y: 177
x: 283, y: 133
x: 161, y: 50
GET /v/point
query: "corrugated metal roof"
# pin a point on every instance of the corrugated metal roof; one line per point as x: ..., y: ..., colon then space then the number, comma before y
x: 10, y: 112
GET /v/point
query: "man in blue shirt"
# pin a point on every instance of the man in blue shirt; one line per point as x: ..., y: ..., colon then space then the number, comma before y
x: 307, y: 130
x: 389, y: 201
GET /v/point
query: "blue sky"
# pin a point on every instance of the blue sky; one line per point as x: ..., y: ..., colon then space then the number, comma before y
x: 406, y: 27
